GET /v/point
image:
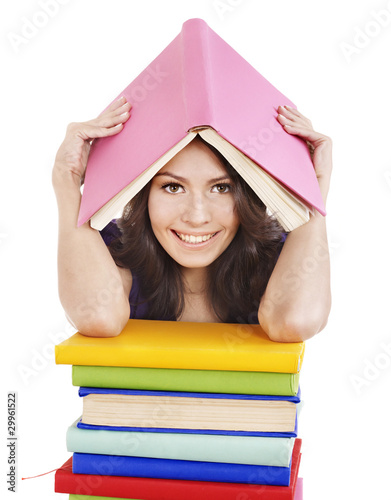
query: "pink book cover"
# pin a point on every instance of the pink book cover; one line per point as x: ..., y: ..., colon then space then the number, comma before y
x: 198, y: 80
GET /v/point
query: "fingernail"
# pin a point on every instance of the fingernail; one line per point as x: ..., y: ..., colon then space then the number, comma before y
x: 287, y: 107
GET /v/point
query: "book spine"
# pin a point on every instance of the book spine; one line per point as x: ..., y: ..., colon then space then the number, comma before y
x: 85, y: 463
x: 182, y: 358
x: 266, y: 383
x: 197, y: 90
x: 266, y: 451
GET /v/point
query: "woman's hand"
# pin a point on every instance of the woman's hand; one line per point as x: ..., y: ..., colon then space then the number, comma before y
x: 320, y: 145
x: 73, y: 153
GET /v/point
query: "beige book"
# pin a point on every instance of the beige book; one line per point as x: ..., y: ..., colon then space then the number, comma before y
x: 199, y: 413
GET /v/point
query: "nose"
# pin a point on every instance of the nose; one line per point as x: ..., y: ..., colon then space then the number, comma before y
x: 196, y: 210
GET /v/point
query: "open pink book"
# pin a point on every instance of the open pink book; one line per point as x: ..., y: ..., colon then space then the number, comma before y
x: 199, y: 84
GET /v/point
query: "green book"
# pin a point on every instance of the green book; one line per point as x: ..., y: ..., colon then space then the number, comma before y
x: 170, y: 379
x: 251, y: 450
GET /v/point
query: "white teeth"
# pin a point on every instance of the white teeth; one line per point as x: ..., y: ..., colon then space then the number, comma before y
x: 194, y: 239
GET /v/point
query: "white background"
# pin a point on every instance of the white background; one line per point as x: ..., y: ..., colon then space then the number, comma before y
x: 69, y: 70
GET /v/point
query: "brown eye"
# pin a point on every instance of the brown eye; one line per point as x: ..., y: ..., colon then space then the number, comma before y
x: 221, y: 188
x: 172, y: 188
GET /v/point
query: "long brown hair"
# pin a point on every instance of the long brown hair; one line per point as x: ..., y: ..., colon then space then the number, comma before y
x: 237, y: 278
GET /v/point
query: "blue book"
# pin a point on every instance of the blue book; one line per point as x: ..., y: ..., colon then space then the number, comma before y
x: 114, y: 465
x: 189, y: 412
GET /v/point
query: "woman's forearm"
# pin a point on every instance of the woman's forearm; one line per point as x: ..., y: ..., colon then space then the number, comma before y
x: 297, y: 300
x: 91, y: 288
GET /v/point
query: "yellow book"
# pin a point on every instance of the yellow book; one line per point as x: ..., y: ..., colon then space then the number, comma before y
x: 184, y: 345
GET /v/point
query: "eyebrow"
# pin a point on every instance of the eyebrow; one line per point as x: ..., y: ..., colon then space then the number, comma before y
x: 182, y: 179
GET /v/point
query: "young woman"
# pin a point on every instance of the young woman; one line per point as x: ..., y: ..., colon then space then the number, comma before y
x: 196, y: 244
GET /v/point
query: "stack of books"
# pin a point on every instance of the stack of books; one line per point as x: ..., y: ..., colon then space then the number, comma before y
x: 177, y: 410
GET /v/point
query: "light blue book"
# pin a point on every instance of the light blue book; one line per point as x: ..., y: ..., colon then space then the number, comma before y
x: 251, y: 450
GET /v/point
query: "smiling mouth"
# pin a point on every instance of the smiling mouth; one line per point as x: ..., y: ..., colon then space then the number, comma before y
x: 193, y: 239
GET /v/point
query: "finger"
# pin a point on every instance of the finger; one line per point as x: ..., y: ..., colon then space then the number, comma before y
x: 284, y: 119
x: 116, y: 104
x: 295, y: 115
x: 306, y: 133
x: 89, y: 132
x: 290, y: 112
x: 111, y: 120
x: 295, y: 112
x: 104, y: 132
x: 122, y: 109
x: 287, y: 117
x: 114, y: 130
x: 97, y: 132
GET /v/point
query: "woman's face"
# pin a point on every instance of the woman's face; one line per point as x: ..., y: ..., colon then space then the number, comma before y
x: 191, y: 207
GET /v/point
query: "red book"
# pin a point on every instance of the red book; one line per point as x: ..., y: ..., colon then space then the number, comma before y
x: 169, y: 489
